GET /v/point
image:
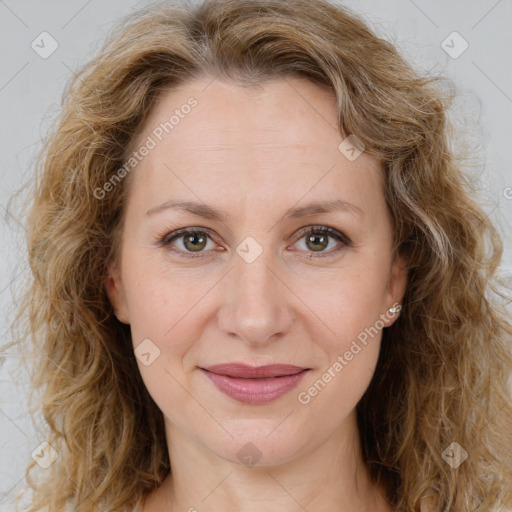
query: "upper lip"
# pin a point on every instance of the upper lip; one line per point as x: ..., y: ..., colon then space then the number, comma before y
x: 254, y: 372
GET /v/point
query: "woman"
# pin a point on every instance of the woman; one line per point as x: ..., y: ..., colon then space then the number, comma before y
x: 261, y: 281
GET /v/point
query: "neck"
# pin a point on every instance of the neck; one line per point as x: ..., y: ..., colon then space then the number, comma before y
x: 331, y: 476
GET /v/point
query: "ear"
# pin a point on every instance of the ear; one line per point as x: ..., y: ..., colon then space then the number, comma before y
x: 116, y: 292
x: 396, y: 286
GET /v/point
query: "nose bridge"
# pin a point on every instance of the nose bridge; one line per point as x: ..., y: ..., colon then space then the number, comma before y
x: 255, y: 305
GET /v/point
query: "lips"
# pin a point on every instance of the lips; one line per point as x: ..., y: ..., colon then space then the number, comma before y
x: 244, y: 371
x: 254, y: 385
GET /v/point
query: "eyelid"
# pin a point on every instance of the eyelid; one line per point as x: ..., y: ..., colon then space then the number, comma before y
x: 324, y: 229
x: 164, y: 240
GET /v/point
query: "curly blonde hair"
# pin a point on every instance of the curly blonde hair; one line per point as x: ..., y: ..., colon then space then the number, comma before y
x: 444, y: 364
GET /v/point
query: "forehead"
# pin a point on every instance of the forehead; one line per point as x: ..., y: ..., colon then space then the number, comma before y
x: 284, y: 106
x: 219, y: 137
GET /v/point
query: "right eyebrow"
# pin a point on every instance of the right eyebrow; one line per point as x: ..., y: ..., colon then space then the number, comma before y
x: 199, y: 209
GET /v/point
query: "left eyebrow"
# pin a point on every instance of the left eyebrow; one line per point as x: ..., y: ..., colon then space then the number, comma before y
x: 324, y: 207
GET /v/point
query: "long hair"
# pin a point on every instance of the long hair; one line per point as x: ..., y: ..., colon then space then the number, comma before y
x: 444, y: 365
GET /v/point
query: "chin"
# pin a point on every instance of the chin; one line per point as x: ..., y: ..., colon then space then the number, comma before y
x: 257, y: 444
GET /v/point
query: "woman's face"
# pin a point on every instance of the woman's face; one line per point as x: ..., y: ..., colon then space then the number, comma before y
x: 248, y: 284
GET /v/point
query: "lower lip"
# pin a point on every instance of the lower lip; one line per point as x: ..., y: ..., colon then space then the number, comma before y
x: 255, y: 391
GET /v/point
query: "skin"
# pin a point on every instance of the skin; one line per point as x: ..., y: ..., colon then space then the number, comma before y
x: 256, y: 153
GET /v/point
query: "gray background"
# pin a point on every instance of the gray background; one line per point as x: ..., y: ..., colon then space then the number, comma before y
x: 31, y: 88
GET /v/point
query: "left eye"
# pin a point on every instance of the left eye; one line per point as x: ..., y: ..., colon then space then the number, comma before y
x: 196, y: 241
x: 317, y: 239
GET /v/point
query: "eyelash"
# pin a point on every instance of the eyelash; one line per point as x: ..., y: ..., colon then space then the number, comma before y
x: 166, y: 239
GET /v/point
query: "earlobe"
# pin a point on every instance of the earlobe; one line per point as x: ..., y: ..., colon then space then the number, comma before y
x: 397, y: 285
x: 115, y: 290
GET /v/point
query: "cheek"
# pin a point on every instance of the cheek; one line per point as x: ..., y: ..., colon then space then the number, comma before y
x: 167, y: 312
x: 348, y: 345
x: 160, y: 296
x: 349, y: 302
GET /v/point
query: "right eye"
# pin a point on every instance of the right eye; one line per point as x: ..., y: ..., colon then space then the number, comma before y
x: 186, y: 242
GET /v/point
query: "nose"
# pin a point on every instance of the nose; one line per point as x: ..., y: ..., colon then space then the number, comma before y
x: 257, y: 306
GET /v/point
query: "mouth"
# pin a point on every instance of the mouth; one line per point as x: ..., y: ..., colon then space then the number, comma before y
x: 254, y: 385
x: 245, y: 371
